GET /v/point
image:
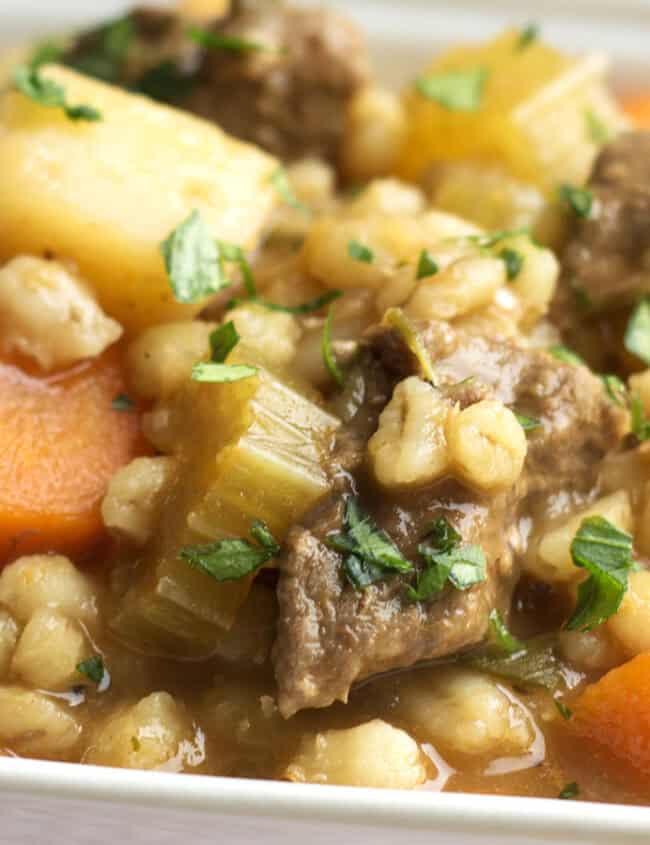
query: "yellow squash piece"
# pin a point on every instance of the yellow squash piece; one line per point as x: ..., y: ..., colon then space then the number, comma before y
x: 252, y: 449
x: 105, y: 194
x: 532, y: 118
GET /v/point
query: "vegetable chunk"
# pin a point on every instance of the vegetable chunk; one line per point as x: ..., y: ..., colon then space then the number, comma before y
x: 60, y: 443
x: 615, y: 713
x: 107, y: 194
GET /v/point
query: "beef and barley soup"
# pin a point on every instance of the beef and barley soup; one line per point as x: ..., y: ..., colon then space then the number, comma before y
x: 324, y: 409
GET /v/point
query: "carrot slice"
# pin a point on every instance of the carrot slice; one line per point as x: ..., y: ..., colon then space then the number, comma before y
x: 614, y: 713
x: 60, y: 443
x: 637, y: 108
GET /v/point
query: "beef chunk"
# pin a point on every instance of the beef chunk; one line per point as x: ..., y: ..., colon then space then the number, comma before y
x: 330, y: 635
x: 291, y: 98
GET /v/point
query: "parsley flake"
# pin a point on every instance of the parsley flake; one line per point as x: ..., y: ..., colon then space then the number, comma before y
x: 597, y: 131
x: 46, y: 92
x: 222, y: 341
x: 637, y: 334
x: 218, y: 41
x: 536, y: 665
x: 427, y: 266
x: 369, y: 553
x: 92, y: 668
x: 640, y: 423
x: 215, y: 373
x: 615, y: 389
x: 563, y: 710
x: 280, y: 181
x: 566, y: 355
x: 233, y: 559
x: 529, y: 34
x: 571, y: 790
x: 606, y: 554
x: 123, y: 403
x: 360, y: 252
x: 501, y: 637
x: 579, y: 200
x: 193, y: 260
x: 308, y: 307
x: 45, y: 53
x: 165, y: 82
x: 329, y: 358
x: 513, y: 260
x: 396, y: 318
x: 528, y: 423
x: 455, y: 90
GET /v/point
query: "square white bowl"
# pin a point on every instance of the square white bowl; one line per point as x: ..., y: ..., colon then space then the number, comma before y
x: 62, y: 803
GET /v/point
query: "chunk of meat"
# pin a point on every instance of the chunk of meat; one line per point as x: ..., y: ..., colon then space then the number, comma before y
x: 290, y: 98
x: 329, y: 635
x: 605, y: 263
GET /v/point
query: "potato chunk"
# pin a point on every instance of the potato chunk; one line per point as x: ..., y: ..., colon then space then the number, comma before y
x: 106, y: 194
x: 34, y: 725
x: 47, y: 314
x: 48, y: 651
x: 373, y: 754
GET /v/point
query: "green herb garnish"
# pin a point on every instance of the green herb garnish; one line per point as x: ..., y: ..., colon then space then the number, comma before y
x: 360, y: 252
x: 571, y: 790
x: 236, y: 255
x: 308, y: 307
x: 566, y: 355
x: 396, y: 318
x: 528, y: 423
x: 92, y: 668
x: 503, y: 640
x: 280, y: 182
x: 193, y: 260
x: 514, y: 261
x: 640, y: 423
x: 218, y: 41
x: 637, y: 333
x: 427, y: 265
x: 222, y: 341
x: 45, y: 53
x: 232, y: 559
x: 369, y: 553
x: 597, y: 131
x: 563, y: 710
x: 615, y: 389
x: 106, y: 54
x: 455, y: 90
x: 50, y: 94
x: 122, y: 403
x: 221, y: 373
x: 165, y: 83
x: 329, y: 358
x: 528, y: 35
x: 493, y: 238
x: 579, y: 200
x: 536, y: 665
x: 606, y: 554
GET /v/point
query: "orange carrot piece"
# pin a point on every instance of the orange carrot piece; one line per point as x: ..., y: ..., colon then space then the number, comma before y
x: 614, y: 713
x: 637, y: 108
x: 60, y: 443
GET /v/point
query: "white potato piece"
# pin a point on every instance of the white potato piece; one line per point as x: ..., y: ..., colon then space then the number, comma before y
x: 386, y: 196
x: 8, y: 639
x: 35, y: 725
x: 106, y: 194
x: 160, y: 359
x: 551, y: 560
x: 313, y: 182
x: 48, y: 651
x: 595, y: 650
x: 487, y: 445
x: 271, y: 335
x: 130, y: 506
x: 145, y: 736
x: 410, y: 445
x: 48, y: 314
x: 36, y: 581
x: 536, y: 281
x: 374, y: 133
x: 373, y: 754
x: 466, y: 712
x: 630, y: 625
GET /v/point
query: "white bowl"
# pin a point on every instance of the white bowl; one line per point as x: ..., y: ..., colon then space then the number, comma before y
x: 62, y: 803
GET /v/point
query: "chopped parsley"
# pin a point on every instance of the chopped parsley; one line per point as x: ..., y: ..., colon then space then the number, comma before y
x: 92, y: 668
x: 566, y: 355
x: 615, y: 389
x: 605, y: 553
x: 447, y: 559
x: 45, y: 53
x: 597, y: 131
x: 528, y: 423
x: 528, y: 35
x: 236, y: 255
x: 218, y: 41
x: 280, y: 182
x: 494, y: 238
x: 369, y: 555
x: 536, y: 665
x: 504, y: 641
x: 563, y: 710
x: 222, y: 341
x: 513, y: 260
x: 571, y: 790
x: 640, y: 423
x: 232, y: 559
x: 396, y: 318
x: 215, y: 373
x: 123, y: 403
x: 329, y: 358
x: 427, y: 265
x: 579, y: 200
x: 637, y: 333
x: 165, y: 82
x: 308, y: 307
x: 106, y: 52
x: 193, y: 260
x: 455, y: 90
x: 46, y: 92
x: 360, y: 252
